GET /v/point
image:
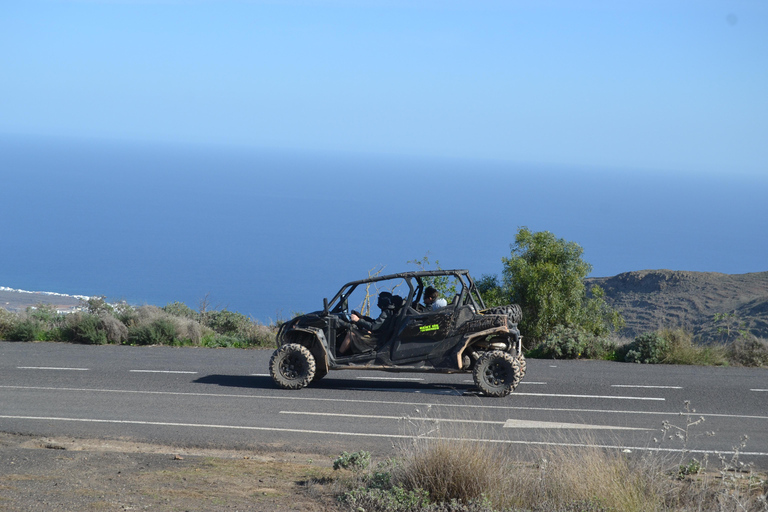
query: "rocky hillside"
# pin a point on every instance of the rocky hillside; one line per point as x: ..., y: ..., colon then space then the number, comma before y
x: 653, y: 299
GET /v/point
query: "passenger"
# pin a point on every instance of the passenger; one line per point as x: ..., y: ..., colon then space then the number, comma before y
x: 363, y: 335
x: 439, y: 303
x: 430, y: 296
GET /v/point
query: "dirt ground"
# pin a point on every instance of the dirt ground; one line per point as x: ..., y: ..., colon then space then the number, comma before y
x: 65, y: 474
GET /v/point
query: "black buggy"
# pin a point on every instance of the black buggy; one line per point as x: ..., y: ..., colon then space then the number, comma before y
x: 461, y: 336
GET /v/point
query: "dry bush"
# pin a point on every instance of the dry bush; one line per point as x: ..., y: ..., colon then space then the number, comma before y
x: 116, y: 330
x: 187, y: 329
x: 8, y: 321
x: 450, y: 462
x: 593, y: 478
x: 147, y: 314
x: 460, y: 470
x: 258, y: 335
x: 749, y: 351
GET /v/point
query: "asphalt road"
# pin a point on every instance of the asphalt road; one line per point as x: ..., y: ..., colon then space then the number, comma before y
x: 224, y: 398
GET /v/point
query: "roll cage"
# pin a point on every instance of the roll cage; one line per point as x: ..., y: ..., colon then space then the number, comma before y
x: 467, y: 294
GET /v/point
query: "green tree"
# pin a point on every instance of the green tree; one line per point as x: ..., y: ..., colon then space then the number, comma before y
x: 490, y: 289
x: 545, y: 275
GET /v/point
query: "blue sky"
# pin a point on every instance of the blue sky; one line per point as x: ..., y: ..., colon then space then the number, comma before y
x: 666, y: 85
x: 267, y: 152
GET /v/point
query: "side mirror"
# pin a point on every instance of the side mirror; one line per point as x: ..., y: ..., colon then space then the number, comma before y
x: 325, y: 306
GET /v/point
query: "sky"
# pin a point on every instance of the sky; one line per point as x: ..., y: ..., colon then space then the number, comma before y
x: 267, y: 151
x: 666, y: 85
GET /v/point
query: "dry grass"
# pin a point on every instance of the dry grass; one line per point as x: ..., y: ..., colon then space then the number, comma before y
x: 464, y: 471
x: 450, y: 463
x: 683, y: 350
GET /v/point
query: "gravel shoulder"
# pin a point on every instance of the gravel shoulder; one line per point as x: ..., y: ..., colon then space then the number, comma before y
x: 66, y: 474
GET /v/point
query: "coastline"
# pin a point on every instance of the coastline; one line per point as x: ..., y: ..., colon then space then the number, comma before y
x: 16, y: 300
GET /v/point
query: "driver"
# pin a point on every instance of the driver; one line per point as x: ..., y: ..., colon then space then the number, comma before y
x: 363, y: 335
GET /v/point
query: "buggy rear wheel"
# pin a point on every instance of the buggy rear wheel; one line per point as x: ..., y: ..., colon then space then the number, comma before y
x: 523, y: 365
x: 292, y: 366
x: 497, y: 373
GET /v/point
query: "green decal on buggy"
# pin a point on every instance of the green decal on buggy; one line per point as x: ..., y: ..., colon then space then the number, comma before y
x: 426, y: 328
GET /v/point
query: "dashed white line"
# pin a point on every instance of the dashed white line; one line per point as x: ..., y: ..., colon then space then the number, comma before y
x: 406, y: 379
x: 607, y: 397
x: 758, y: 389
x: 523, y: 382
x: 51, y: 368
x: 644, y: 387
x: 159, y: 371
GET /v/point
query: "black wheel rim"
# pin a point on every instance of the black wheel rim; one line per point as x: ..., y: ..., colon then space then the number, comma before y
x: 292, y: 367
x: 496, y: 374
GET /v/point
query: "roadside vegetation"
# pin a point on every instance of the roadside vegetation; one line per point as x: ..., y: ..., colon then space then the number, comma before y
x: 562, y: 319
x: 100, y: 323
x: 448, y: 471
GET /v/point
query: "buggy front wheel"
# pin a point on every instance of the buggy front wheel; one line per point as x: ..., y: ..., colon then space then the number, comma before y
x: 292, y: 366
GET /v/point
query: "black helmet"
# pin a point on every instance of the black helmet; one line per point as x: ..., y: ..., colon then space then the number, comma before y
x: 385, y: 301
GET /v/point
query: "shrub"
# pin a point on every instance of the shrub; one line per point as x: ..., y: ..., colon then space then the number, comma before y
x: 358, y: 461
x: 83, y: 327
x: 187, y: 329
x: 574, y: 343
x: 226, y: 322
x: 96, y: 305
x: 27, y: 329
x: 258, y: 335
x: 650, y: 348
x: 451, y: 470
x: 749, y: 351
x: 45, y: 314
x: 682, y: 350
x: 8, y: 321
x: 125, y: 313
x: 181, y: 310
x: 216, y: 340
x: 159, y: 331
x: 115, y: 330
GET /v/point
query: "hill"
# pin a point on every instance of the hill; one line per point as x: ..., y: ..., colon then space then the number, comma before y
x: 653, y: 299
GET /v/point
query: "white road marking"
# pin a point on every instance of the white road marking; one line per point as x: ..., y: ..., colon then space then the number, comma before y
x: 507, y: 424
x: 287, y: 397
x: 644, y: 387
x: 390, y: 436
x: 260, y: 375
x: 398, y: 418
x: 408, y: 379
x: 50, y: 368
x: 523, y: 382
x: 607, y: 397
x: 552, y: 425
x: 758, y: 389
x: 159, y: 371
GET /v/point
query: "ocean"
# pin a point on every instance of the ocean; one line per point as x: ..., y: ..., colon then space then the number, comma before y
x: 270, y: 233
